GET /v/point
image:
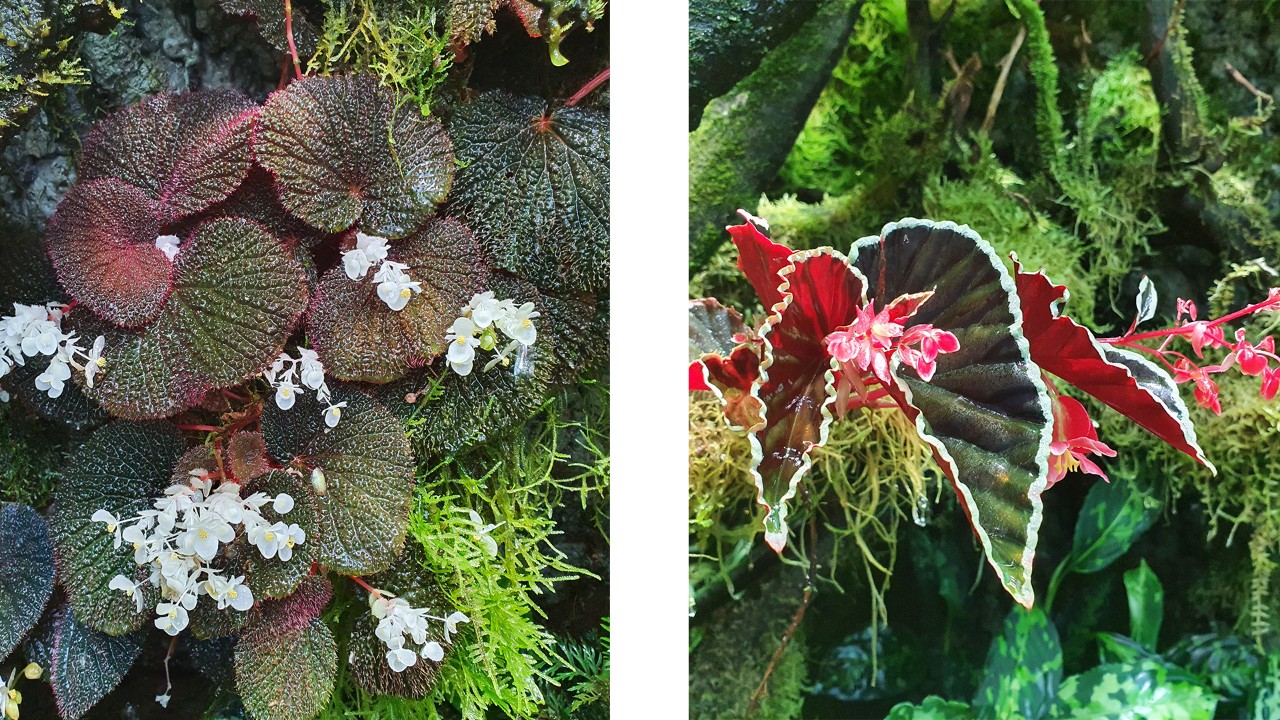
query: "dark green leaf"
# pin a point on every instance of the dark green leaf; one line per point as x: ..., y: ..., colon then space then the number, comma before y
x: 87, y: 664
x: 534, y: 186
x: 1024, y: 667
x: 1146, y: 605
x: 1114, y: 516
x: 269, y: 15
x: 120, y: 469
x: 26, y: 572
x: 72, y: 408
x: 933, y: 708
x: 1116, y: 648
x: 360, y: 338
x: 1142, y: 691
x: 345, y: 152
x: 986, y: 411
x: 363, y: 515
x: 286, y: 673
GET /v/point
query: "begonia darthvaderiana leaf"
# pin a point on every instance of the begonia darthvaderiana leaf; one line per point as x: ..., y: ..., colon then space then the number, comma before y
x: 534, y: 186
x: 256, y: 200
x: 119, y: 469
x: 71, y: 408
x: 87, y: 664
x: 1123, y: 380
x: 367, y: 466
x: 410, y: 580
x: 717, y: 362
x: 246, y: 456
x: 237, y: 296
x: 26, y: 572
x: 343, y: 153
x: 820, y: 292
x: 286, y: 673
x: 102, y: 240
x: 269, y: 14
x: 185, y: 152
x: 360, y: 338
x: 986, y: 412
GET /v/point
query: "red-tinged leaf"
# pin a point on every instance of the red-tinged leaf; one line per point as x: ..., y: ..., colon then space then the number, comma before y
x: 344, y: 154
x: 819, y: 292
x: 185, y: 151
x: 760, y: 259
x: 1123, y: 380
x: 360, y: 338
x: 719, y: 363
x: 102, y: 241
x: 986, y: 412
x: 286, y: 674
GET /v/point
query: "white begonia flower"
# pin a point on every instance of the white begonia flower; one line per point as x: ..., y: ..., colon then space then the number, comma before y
x: 398, y: 658
x: 293, y: 535
x: 370, y: 250
x: 462, y: 345
x: 268, y: 539
x: 283, y: 503
x: 168, y: 244
x: 203, y: 537
x: 451, y: 623
x: 355, y: 263
x: 312, y: 369
x: 333, y: 414
x: 163, y: 700
x: 128, y: 587
x: 374, y: 247
x: 394, y: 286
x: 95, y: 361
x: 41, y: 337
x: 482, y: 533
x: 172, y: 618
x: 113, y: 524
x: 286, y: 394
x: 518, y: 324
x: 484, y: 308
x: 53, y: 380
x: 4, y: 395
x: 240, y: 596
x: 433, y: 651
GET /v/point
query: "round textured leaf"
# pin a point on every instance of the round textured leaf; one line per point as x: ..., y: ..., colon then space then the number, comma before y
x: 534, y: 186
x: 363, y: 514
x: 102, y: 243
x: 407, y: 579
x: 86, y: 664
x: 120, y: 469
x: 286, y: 673
x: 342, y: 154
x: 185, y: 151
x: 271, y: 578
x: 360, y: 338
x: 26, y: 572
x: 71, y: 408
x: 237, y: 295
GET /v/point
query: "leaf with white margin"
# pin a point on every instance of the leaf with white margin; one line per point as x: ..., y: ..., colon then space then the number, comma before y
x: 363, y: 515
x: 986, y: 413
x: 120, y: 469
x: 26, y: 572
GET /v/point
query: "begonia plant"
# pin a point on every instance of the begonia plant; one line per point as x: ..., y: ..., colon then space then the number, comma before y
x: 926, y: 319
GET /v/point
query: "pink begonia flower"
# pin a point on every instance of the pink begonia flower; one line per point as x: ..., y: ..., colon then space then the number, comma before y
x: 1074, y: 439
x: 1206, y: 391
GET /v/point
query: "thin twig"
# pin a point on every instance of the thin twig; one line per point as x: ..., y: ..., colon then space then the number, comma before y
x: 1235, y: 75
x: 1006, y: 63
x: 591, y: 85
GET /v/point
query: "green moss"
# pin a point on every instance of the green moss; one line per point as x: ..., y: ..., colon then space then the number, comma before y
x: 31, y: 457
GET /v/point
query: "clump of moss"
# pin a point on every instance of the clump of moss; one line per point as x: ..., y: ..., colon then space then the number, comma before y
x: 30, y: 457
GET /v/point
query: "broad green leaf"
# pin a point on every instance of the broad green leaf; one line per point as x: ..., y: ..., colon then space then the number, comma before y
x: 286, y: 673
x: 120, y: 469
x: 269, y: 14
x: 360, y: 338
x: 1229, y: 664
x: 1114, y: 516
x: 1024, y: 667
x: 407, y: 579
x: 363, y: 514
x: 237, y: 295
x: 87, y: 664
x: 534, y: 186
x: 1146, y: 605
x: 26, y: 572
x: 933, y: 708
x: 184, y: 151
x: 1142, y: 691
x: 1116, y: 648
x: 986, y: 412
x: 344, y: 152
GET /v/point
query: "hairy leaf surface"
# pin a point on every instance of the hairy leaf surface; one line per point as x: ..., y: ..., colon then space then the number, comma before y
x: 26, y: 572
x: 87, y: 664
x: 286, y: 673
x: 120, y: 469
x: 344, y: 154
x: 363, y: 515
x: 534, y: 186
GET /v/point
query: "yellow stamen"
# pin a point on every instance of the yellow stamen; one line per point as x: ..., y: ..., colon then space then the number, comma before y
x: 204, y: 534
x: 289, y: 542
x: 233, y: 594
x: 405, y: 293
x: 526, y: 323
x: 271, y: 537
x: 111, y: 528
x: 102, y: 362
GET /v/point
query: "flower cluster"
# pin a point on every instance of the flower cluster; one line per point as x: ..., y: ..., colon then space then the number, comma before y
x: 395, y: 287
x: 874, y: 337
x: 10, y: 698
x: 1255, y: 360
x: 35, y: 330
x: 182, y: 534
x: 289, y: 374
x: 398, y: 622
x: 478, y: 327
